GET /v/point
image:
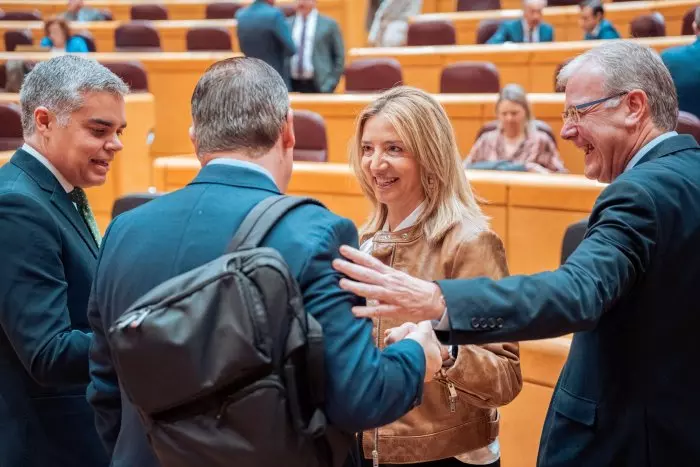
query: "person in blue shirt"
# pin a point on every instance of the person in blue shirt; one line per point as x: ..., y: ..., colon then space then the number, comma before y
x: 529, y: 28
x: 58, y: 37
x: 684, y: 64
x: 593, y: 22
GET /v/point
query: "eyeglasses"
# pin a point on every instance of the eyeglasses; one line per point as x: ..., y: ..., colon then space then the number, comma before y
x: 574, y: 113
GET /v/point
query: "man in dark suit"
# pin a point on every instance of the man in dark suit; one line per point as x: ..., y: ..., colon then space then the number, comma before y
x: 245, y: 147
x: 529, y: 28
x: 263, y: 33
x: 320, y: 59
x: 684, y: 64
x: 72, y: 114
x: 626, y: 396
x: 593, y: 22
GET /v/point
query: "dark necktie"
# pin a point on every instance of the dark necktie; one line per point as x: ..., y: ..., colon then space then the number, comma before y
x: 79, y: 197
x: 300, y: 63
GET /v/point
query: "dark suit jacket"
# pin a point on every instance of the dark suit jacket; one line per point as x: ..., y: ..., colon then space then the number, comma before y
x: 627, y: 396
x: 263, y: 33
x: 684, y: 64
x: 48, y: 257
x: 328, y: 56
x: 185, y: 229
x: 606, y: 30
x: 512, y: 31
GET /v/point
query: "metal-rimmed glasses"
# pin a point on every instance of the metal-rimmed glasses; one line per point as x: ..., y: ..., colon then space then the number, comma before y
x: 574, y: 113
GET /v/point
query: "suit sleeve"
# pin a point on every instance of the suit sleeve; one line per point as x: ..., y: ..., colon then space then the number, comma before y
x: 284, y: 35
x: 338, y: 57
x: 33, y: 295
x: 78, y: 44
x: 500, y: 36
x: 614, y: 255
x: 489, y: 374
x: 103, y: 391
x: 365, y: 387
x: 609, y: 33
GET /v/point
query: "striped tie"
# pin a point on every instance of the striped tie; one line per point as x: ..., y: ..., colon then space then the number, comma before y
x: 79, y: 197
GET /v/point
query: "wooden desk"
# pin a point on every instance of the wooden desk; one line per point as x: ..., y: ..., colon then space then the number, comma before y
x: 565, y: 19
x: 530, y: 65
x: 350, y: 15
x: 468, y: 113
x: 173, y: 34
x: 5, y: 156
x: 171, y: 78
x: 131, y: 170
x: 530, y: 212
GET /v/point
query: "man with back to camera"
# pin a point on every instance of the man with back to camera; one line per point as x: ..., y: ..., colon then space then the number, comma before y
x: 244, y: 138
x: 530, y: 28
x: 72, y: 117
x: 626, y: 396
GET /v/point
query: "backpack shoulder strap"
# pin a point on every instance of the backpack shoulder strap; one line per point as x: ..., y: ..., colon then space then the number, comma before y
x: 262, y: 218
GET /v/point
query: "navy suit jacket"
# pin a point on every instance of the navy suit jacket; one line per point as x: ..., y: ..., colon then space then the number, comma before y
x: 263, y: 33
x: 185, y: 229
x: 684, y: 64
x: 48, y: 258
x: 606, y: 30
x: 627, y: 396
x: 512, y: 31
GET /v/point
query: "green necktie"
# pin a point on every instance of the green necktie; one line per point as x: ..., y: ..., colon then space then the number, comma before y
x: 79, y: 197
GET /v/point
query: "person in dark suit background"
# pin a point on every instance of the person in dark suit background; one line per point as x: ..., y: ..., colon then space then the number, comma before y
x: 263, y: 33
x: 72, y: 116
x: 245, y: 147
x: 684, y: 64
x: 593, y: 22
x: 626, y: 396
x: 319, y: 61
x: 529, y: 28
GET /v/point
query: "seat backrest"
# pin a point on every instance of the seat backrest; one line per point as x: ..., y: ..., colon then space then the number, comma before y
x: 539, y: 124
x: 688, y: 19
x: 132, y: 73
x: 311, y: 138
x: 478, y: 5
x: 434, y: 32
x: 88, y: 38
x: 573, y: 238
x: 208, y: 38
x: 151, y: 12
x: 32, y: 15
x: 131, y: 201
x: 470, y: 77
x: 222, y: 10
x: 136, y: 36
x: 3, y: 78
x: 652, y: 25
x: 486, y: 29
x: 688, y: 124
x: 17, y: 37
x: 11, y: 127
x: 373, y: 75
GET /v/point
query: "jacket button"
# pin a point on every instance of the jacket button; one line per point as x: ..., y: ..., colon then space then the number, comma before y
x: 492, y: 323
x: 475, y: 323
x: 483, y: 323
x: 499, y: 322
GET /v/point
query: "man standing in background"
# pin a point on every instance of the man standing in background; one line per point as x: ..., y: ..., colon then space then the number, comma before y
x: 320, y: 59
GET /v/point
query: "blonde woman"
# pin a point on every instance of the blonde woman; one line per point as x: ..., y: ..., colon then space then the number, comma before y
x: 427, y: 223
x: 516, y: 139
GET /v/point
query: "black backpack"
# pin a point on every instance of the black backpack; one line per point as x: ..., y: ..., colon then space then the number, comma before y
x: 224, y: 365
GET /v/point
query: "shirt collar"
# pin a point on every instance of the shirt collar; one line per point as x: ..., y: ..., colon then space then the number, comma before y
x: 409, y: 221
x: 648, y: 147
x: 245, y: 164
x: 311, y: 17
x: 38, y: 156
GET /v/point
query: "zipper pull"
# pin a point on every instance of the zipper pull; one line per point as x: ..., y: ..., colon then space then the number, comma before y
x: 375, y: 458
x: 453, y: 396
x: 140, y: 319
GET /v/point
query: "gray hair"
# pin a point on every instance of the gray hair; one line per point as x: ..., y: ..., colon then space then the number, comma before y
x: 516, y: 94
x: 59, y: 84
x: 239, y: 104
x: 626, y: 66
x: 527, y: 2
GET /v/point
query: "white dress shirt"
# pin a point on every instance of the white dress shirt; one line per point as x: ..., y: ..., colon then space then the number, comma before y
x: 648, y: 147
x: 526, y: 33
x: 307, y: 65
x: 37, y: 155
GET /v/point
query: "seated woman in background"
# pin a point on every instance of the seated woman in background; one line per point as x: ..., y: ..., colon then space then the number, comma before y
x: 516, y: 141
x: 58, y: 37
x: 426, y: 222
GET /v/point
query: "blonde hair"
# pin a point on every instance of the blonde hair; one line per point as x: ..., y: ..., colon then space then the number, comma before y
x: 423, y: 126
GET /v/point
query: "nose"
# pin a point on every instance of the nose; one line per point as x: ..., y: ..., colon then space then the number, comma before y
x: 568, y: 131
x: 114, y: 144
x: 378, y: 162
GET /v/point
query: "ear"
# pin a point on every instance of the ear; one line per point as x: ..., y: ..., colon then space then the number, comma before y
x: 43, y: 120
x: 637, y: 105
x: 288, y: 138
x: 190, y: 132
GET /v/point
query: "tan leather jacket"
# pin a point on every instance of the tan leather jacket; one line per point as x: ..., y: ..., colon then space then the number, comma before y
x: 458, y: 413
